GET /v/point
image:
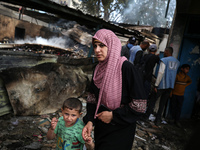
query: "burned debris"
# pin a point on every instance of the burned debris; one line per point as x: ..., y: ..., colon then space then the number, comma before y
x: 36, y: 48
x: 29, y: 132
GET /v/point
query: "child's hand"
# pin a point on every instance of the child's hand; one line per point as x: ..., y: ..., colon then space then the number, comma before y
x: 87, y: 139
x: 89, y: 143
x: 54, y: 122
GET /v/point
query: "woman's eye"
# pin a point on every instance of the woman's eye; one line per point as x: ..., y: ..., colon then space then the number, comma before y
x: 95, y: 46
x: 101, y: 45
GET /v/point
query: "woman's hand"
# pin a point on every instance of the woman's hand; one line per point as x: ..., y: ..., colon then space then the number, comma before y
x: 155, y: 89
x: 105, y: 116
x: 86, y: 132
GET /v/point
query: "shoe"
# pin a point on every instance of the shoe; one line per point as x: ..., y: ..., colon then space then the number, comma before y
x: 177, y: 124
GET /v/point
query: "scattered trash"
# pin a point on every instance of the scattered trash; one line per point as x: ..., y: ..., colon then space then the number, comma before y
x: 152, y: 117
x: 153, y: 137
x: 52, y: 145
x: 140, y: 138
x: 34, y: 145
x: 44, y: 116
x: 14, y: 121
x: 164, y: 122
x: 43, y: 129
x: 157, y: 141
x: 152, y: 130
x: 165, y: 147
x: 141, y: 123
x: 39, y: 137
x: 10, y: 127
x: 48, y: 119
x: 84, y: 104
x: 44, y: 122
x: 31, y: 134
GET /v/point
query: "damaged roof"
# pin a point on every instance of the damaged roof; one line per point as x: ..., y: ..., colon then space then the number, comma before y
x: 68, y: 13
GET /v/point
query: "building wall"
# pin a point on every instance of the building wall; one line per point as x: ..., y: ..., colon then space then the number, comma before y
x: 184, y: 8
x: 8, y: 24
x: 177, y: 32
x: 184, y: 38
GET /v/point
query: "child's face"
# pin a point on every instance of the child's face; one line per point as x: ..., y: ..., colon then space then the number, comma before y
x: 185, y: 70
x: 70, y: 116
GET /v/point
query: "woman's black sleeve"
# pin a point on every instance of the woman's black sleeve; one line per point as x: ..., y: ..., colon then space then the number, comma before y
x: 134, y: 101
x: 91, y: 104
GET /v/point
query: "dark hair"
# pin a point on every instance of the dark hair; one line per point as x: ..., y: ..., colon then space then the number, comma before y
x: 72, y: 103
x: 170, y: 49
x: 185, y: 66
x: 132, y: 40
x: 145, y: 42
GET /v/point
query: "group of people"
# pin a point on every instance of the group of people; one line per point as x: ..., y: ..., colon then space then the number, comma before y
x: 168, y: 83
x: 117, y: 96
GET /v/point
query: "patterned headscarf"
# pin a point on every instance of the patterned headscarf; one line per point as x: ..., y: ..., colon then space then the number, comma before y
x: 108, y: 73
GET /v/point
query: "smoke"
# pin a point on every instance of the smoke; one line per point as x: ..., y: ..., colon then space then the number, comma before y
x: 54, y: 41
x: 74, y: 37
x: 63, y: 42
x: 149, y: 12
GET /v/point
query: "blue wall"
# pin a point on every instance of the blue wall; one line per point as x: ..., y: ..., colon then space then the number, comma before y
x: 186, y: 57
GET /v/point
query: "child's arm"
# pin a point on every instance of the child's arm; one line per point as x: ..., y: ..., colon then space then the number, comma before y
x: 183, y: 83
x: 50, y: 134
x: 188, y: 82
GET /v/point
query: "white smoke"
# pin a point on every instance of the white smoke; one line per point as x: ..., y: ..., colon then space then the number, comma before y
x: 54, y: 41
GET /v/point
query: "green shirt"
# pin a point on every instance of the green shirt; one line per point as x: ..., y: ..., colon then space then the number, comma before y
x: 69, y: 138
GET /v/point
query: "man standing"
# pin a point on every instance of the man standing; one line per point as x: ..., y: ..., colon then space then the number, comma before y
x: 165, y: 80
x: 150, y: 60
x: 136, y: 52
x: 126, y: 48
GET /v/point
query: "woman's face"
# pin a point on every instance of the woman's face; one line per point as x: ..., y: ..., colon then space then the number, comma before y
x: 100, y: 50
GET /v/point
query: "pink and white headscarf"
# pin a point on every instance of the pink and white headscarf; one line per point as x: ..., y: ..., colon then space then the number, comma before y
x: 108, y: 73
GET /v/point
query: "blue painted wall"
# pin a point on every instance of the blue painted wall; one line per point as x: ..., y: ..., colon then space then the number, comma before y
x: 186, y: 57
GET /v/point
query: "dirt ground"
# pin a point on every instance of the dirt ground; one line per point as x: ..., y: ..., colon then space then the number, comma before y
x: 167, y: 136
x: 29, y: 132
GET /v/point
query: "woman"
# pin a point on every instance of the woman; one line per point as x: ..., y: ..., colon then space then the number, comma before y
x: 116, y: 97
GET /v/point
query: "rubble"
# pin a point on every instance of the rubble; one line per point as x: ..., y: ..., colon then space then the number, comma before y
x: 44, y: 49
x: 29, y: 132
x: 42, y: 89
